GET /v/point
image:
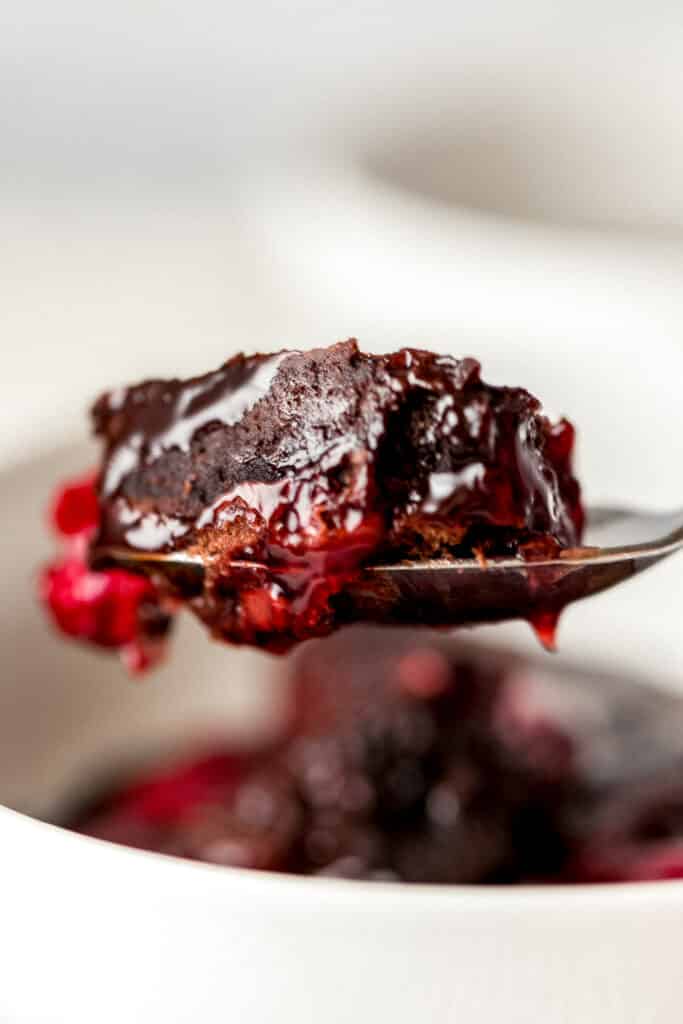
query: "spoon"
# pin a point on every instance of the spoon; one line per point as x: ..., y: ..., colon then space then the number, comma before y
x: 447, y: 592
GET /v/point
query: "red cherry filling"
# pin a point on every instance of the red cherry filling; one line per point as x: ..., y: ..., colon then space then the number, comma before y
x: 286, y: 593
x: 167, y: 799
x: 112, y: 608
x: 76, y: 509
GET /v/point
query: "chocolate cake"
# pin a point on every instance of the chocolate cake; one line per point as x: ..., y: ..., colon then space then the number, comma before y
x: 288, y: 473
x: 421, y: 759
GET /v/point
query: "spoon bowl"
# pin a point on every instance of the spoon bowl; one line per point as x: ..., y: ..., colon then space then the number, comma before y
x: 447, y: 592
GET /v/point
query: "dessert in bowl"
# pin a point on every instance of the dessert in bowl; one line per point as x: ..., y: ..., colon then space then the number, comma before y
x: 417, y: 758
x: 182, y: 933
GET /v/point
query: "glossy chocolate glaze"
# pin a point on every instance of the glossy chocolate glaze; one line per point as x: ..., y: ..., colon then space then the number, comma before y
x: 306, y: 465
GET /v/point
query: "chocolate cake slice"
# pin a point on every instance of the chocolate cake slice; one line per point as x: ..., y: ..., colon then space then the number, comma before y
x: 287, y: 473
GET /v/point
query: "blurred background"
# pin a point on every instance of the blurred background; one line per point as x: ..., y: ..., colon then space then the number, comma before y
x: 178, y: 182
x: 181, y: 180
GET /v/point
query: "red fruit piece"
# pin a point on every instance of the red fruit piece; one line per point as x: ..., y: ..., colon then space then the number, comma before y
x: 111, y: 608
x: 76, y: 508
x: 99, y: 606
x: 167, y: 798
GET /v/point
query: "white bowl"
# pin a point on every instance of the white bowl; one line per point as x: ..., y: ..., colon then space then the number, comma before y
x: 91, y: 931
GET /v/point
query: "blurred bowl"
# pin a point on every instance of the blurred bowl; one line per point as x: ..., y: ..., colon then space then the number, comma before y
x: 91, y: 931
x: 383, y: 245
x: 526, y: 191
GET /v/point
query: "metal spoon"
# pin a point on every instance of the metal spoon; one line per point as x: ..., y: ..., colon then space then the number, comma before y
x: 447, y: 592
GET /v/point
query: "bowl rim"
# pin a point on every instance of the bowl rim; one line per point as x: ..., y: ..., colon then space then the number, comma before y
x: 281, y: 890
